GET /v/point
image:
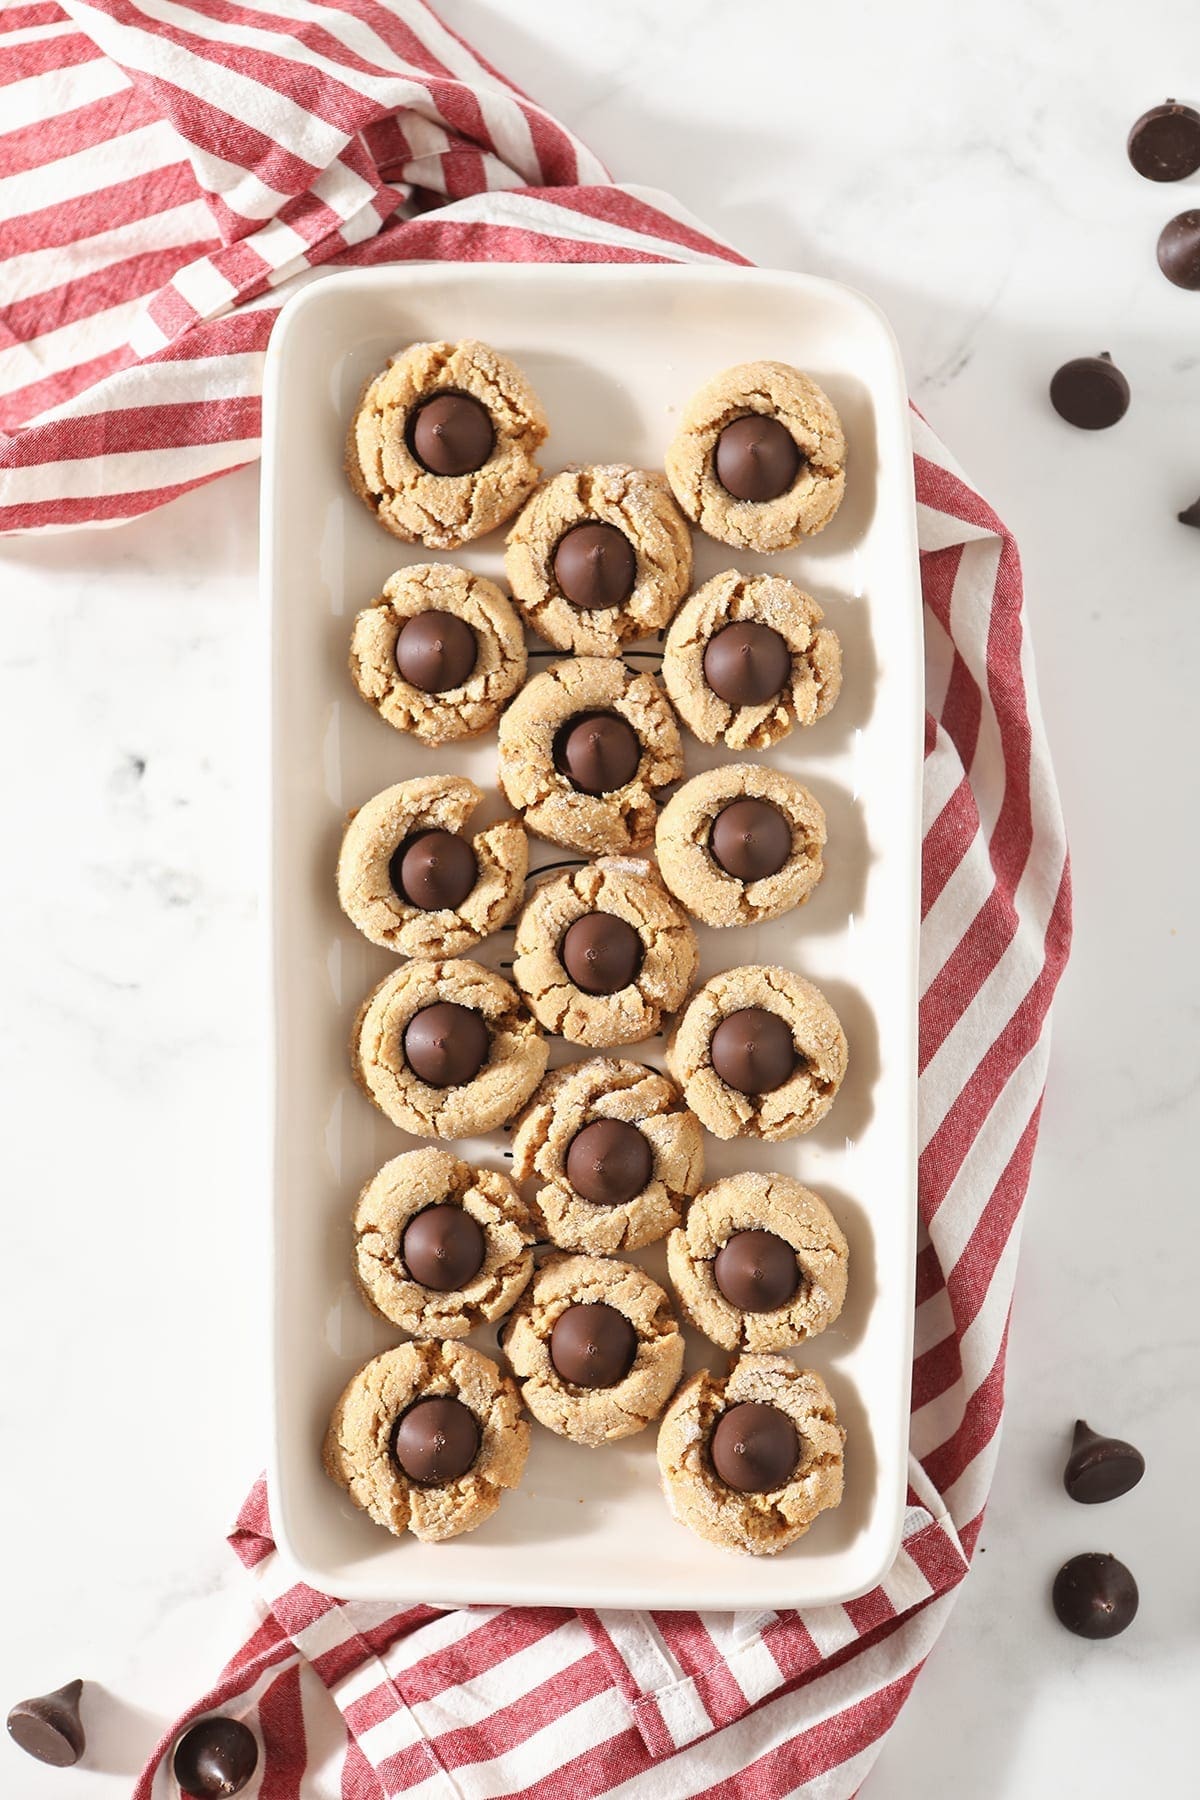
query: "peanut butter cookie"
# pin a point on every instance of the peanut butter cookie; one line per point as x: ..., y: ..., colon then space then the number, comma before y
x: 595, y: 1348
x: 747, y: 659
x: 759, y: 458
x: 426, y: 1438
x: 412, y: 880
x: 446, y: 1049
x: 443, y: 445
x: 599, y: 556
x: 758, y: 1052
x: 741, y: 843
x: 603, y: 952
x: 584, y: 749
x: 439, y: 653
x: 759, y: 1264
x: 616, y: 1151
x: 749, y: 1461
x: 440, y: 1246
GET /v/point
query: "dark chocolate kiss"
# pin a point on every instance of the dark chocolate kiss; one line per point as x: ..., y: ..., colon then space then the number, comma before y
x: 436, y: 1440
x: 754, y: 1448
x: 1095, y: 1596
x: 756, y: 1271
x: 757, y: 458
x: 1164, y: 144
x: 1090, y: 392
x: 750, y: 839
x: 451, y: 434
x: 752, y: 1051
x: 1101, y: 1468
x: 601, y: 953
x: 747, y: 664
x: 443, y: 1248
x: 435, y: 870
x: 436, y: 651
x: 593, y: 1346
x: 595, y: 566
x: 48, y: 1727
x: 608, y: 1162
x: 217, y: 1757
x: 446, y: 1045
x: 1179, y: 249
x: 598, y: 752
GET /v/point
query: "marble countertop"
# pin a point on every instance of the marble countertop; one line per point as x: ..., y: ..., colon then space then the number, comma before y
x: 966, y: 169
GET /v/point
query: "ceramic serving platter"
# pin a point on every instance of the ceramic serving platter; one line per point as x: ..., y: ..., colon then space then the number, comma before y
x: 614, y: 354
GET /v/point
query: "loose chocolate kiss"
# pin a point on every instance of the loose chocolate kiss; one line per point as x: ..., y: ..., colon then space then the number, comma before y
x: 215, y: 1759
x: 747, y: 664
x: 436, y: 651
x: 756, y: 1271
x: 435, y: 871
x: 752, y: 1051
x: 446, y: 1045
x: 1095, y: 1596
x: 750, y: 839
x: 595, y: 566
x: 436, y: 1440
x: 1190, y: 514
x: 443, y: 1248
x: 1101, y: 1468
x: 1164, y: 144
x: 1179, y: 249
x: 601, y: 953
x: 754, y: 1448
x: 1090, y: 392
x: 598, y: 752
x: 757, y: 458
x: 608, y: 1162
x: 49, y: 1728
x: 451, y: 434
x: 593, y: 1345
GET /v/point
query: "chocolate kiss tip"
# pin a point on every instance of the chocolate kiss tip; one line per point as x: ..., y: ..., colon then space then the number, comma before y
x: 1191, y: 514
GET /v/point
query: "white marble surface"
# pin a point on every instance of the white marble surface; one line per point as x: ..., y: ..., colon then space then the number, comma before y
x: 965, y: 167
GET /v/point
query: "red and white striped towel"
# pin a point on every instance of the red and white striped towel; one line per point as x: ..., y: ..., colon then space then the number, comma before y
x: 169, y: 172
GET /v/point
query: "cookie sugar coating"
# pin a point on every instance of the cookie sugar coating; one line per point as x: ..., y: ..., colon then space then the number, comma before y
x: 626, y: 890
x: 515, y: 1059
x: 792, y: 1214
x: 376, y: 834
x: 407, y: 426
x: 612, y: 822
x: 410, y: 1185
x: 579, y: 1095
x: 636, y: 503
x: 684, y: 842
x: 799, y: 1101
x: 810, y: 688
x: 586, y: 1414
x: 499, y: 666
x: 758, y: 1524
x: 793, y: 401
x: 358, y: 1445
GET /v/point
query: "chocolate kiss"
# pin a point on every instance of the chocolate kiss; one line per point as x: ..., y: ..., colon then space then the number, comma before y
x: 49, y: 1728
x: 1101, y: 1468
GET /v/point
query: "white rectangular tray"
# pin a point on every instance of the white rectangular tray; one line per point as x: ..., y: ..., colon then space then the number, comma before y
x: 614, y: 354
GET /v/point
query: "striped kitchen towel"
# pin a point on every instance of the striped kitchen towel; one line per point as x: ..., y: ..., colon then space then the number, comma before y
x: 169, y: 172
